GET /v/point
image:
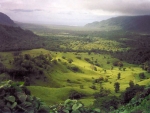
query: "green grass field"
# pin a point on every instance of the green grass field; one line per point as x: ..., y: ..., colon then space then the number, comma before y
x: 61, y: 80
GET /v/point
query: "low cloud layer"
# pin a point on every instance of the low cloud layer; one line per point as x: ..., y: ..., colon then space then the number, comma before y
x: 71, y: 12
x: 130, y: 7
x: 25, y: 10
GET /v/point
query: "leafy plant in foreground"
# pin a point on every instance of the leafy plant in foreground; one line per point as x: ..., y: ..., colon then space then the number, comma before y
x: 15, y: 98
x: 72, y: 106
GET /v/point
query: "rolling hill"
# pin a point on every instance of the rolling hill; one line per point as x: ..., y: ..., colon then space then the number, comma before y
x: 128, y: 23
x: 5, y: 20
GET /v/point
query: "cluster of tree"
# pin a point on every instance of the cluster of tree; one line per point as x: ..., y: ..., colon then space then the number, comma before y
x: 107, y: 102
x: 27, y: 66
x: 139, y: 52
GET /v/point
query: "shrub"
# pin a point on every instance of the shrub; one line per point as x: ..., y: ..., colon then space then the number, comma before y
x: 93, y: 87
x: 74, y: 68
x: 75, y: 95
x: 70, y: 60
x: 118, y: 63
x: 95, y: 69
x: 131, y: 92
x: 54, y: 61
x: 63, y: 57
x: 103, y: 92
x: 88, y: 60
x: 117, y: 86
x: 142, y: 76
x: 78, y: 57
x: 119, y: 74
x: 131, y: 84
x: 108, y: 62
x: 107, y: 103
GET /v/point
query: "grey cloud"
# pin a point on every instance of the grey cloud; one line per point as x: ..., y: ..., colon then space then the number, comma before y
x: 137, y: 7
x: 66, y: 13
x: 26, y: 10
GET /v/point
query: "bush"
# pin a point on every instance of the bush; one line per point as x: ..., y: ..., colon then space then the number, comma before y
x: 103, y: 92
x: 78, y: 57
x: 107, y: 103
x: 131, y: 92
x: 88, y: 60
x: 142, y: 76
x: 63, y: 57
x: 118, y: 63
x: 75, y: 95
x: 117, y: 86
x: 93, y: 87
x: 95, y: 69
x: 70, y: 60
x: 74, y: 68
x: 54, y: 61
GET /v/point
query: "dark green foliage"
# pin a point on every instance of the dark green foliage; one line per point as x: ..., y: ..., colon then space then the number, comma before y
x: 88, y: 60
x: 2, y: 68
x: 93, y: 87
x: 102, y: 93
x: 70, y: 60
x: 118, y: 63
x: 95, y: 69
x: 119, y: 75
x: 75, y: 95
x: 131, y: 83
x: 142, y: 76
x: 63, y: 57
x: 140, y: 103
x: 108, y: 62
x: 131, y: 92
x: 74, y: 68
x: 54, y: 61
x: 27, y: 65
x: 78, y: 57
x: 26, y: 81
x: 15, y: 98
x: 117, y: 86
x: 72, y: 106
x: 107, y: 103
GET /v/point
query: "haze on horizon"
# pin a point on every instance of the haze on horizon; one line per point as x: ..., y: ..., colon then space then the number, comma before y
x: 71, y: 12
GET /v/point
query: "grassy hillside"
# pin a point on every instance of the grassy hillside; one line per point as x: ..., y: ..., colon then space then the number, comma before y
x: 78, y: 75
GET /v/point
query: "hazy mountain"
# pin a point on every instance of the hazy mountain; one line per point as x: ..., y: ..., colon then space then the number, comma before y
x: 15, y: 38
x: 129, y: 23
x: 5, y: 20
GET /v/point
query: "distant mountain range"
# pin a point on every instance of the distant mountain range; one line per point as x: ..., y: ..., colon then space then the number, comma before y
x: 128, y: 23
x: 5, y: 20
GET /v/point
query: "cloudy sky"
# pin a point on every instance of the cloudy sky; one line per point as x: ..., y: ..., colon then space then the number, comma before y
x: 71, y: 12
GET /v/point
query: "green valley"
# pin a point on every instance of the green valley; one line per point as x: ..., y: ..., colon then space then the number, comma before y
x: 97, y: 70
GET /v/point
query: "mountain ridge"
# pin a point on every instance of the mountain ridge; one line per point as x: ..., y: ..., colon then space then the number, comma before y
x: 6, y: 20
x: 129, y: 23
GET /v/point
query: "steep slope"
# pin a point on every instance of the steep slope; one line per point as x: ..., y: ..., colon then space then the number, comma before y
x: 129, y: 23
x: 5, y: 20
x: 15, y: 38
